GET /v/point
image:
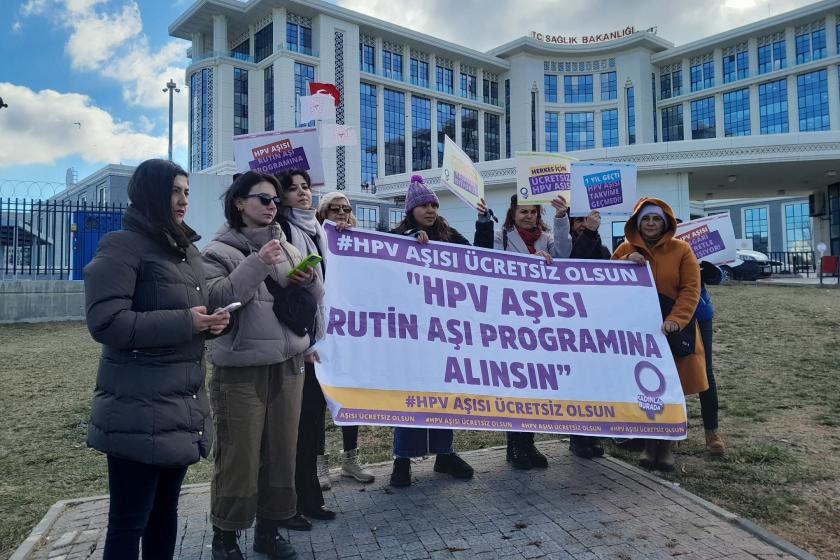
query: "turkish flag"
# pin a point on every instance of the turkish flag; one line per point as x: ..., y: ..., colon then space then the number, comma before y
x: 329, y: 89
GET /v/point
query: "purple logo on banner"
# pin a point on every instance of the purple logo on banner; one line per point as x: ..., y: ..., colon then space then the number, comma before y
x: 295, y: 159
x: 650, y: 400
x: 552, y: 182
x: 603, y: 189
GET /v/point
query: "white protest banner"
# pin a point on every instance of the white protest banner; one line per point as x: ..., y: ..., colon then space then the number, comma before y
x: 275, y: 152
x: 333, y: 135
x: 318, y: 107
x: 712, y: 238
x: 451, y: 336
x: 609, y: 188
x: 460, y: 175
x: 542, y: 177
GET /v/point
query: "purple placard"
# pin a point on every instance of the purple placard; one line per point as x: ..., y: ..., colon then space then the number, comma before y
x: 706, y: 244
x: 603, y: 189
x: 473, y: 422
x: 483, y: 262
x: 551, y: 182
x: 294, y: 159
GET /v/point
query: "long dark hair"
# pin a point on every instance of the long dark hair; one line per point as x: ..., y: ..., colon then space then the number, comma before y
x: 509, y: 223
x: 285, y: 178
x: 239, y: 189
x: 150, y: 192
x: 440, y: 230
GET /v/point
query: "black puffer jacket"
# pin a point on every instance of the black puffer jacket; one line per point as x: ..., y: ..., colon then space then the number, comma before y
x: 149, y: 404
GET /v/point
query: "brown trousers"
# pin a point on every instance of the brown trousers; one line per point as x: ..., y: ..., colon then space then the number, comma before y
x: 255, y: 412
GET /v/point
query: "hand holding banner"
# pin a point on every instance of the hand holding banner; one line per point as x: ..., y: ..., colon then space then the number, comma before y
x: 712, y: 238
x: 318, y: 107
x: 607, y: 187
x: 542, y: 177
x: 460, y: 175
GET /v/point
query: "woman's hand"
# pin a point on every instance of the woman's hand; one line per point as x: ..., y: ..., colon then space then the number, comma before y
x: 422, y: 237
x: 302, y: 277
x: 313, y: 357
x: 637, y: 258
x: 482, y: 208
x: 203, y: 322
x: 342, y: 226
x: 560, y: 207
x: 669, y: 327
x: 271, y: 253
x: 593, y: 221
x: 544, y: 254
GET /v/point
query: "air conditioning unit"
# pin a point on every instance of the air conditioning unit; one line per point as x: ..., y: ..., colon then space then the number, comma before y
x: 816, y: 204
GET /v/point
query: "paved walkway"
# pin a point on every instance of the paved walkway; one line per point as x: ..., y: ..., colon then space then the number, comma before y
x: 574, y: 509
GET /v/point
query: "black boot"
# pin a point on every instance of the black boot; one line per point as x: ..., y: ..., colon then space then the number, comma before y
x: 537, y: 459
x: 597, y: 447
x: 516, y: 454
x: 581, y: 446
x: 401, y: 475
x: 225, y: 546
x: 452, y: 464
x: 268, y: 541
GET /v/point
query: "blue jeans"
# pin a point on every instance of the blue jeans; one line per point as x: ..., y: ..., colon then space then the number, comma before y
x: 416, y: 442
x: 144, y: 504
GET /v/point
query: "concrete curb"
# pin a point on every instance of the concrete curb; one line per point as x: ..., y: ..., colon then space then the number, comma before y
x: 745, y: 524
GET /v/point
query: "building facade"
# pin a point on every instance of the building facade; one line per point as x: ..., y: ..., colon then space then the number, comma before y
x: 108, y: 185
x: 751, y: 112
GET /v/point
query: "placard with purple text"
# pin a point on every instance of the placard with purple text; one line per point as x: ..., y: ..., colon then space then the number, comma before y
x: 609, y: 188
x: 542, y: 177
x: 275, y: 152
x: 712, y: 238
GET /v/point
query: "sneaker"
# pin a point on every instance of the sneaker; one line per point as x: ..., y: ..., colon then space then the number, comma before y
x: 452, y: 464
x: 351, y: 467
x: 517, y: 457
x: 321, y: 513
x: 323, y: 467
x: 581, y: 446
x: 225, y: 546
x: 401, y: 475
x: 267, y: 540
x: 714, y: 444
x: 296, y: 523
x: 536, y: 458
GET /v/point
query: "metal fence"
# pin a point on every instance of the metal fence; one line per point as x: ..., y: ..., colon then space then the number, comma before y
x: 793, y: 262
x: 52, y: 240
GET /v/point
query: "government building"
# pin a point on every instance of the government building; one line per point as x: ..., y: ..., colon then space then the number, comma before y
x: 750, y: 113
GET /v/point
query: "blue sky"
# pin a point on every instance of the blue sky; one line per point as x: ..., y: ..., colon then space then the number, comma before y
x: 103, y: 63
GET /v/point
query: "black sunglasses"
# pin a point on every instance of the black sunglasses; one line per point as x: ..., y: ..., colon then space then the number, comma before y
x: 266, y: 199
x: 340, y: 209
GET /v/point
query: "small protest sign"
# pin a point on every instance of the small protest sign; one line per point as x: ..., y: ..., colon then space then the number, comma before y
x: 712, y: 238
x: 542, y: 177
x: 460, y: 175
x: 275, y: 152
x: 609, y: 188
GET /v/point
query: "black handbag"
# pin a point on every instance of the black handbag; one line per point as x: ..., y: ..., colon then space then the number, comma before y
x: 684, y: 342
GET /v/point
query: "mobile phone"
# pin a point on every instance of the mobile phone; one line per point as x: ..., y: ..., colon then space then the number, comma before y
x: 312, y: 259
x: 230, y: 308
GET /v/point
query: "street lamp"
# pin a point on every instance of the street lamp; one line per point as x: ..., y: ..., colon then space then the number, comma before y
x: 170, y: 87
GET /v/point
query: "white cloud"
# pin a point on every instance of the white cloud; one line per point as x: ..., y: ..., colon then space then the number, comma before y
x: 17, y: 27
x: 96, y: 36
x: 45, y: 131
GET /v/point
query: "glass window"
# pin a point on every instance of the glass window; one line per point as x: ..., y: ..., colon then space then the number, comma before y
x: 268, y: 96
x: 552, y: 132
x: 703, y: 118
x: 469, y: 86
x: 298, y: 38
x: 618, y: 234
x: 507, y: 119
x: 772, y: 56
x: 736, y: 113
x: 240, y: 101
x: 702, y: 76
x: 469, y: 132
x: 812, y: 94
x: 577, y: 89
x: 631, y: 115
x: 810, y: 46
x: 394, y: 116
x: 445, y: 79
x: 200, y: 108
x: 242, y: 51
x: 676, y: 83
x: 421, y: 133
x: 773, y: 107
x: 304, y: 74
x: 672, y: 123
x: 367, y: 58
x: 445, y: 126
x: 797, y: 227
x: 368, y: 216
x: 395, y: 216
x: 392, y: 65
x: 550, y: 83
x: 735, y: 67
x: 580, y: 131
x: 262, y: 42
x: 492, y: 142
x: 367, y: 120
x: 419, y: 73
x: 609, y: 128
x: 491, y: 91
x: 756, y: 228
x: 665, y: 85
x: 609, y: 87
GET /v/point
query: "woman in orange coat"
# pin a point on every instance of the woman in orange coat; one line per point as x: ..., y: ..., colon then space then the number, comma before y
x: 649, y: 237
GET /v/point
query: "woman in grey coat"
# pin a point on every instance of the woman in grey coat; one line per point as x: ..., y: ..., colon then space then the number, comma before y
x: 258, y: 370
x: 147, y: 304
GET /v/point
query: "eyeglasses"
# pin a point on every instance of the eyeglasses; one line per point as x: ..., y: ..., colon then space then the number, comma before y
x: 339, y: 209
x: 266, y: 199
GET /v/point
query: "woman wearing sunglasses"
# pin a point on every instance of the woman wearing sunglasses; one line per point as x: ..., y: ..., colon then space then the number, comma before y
x: 335, y: 207
x: 258, y: 366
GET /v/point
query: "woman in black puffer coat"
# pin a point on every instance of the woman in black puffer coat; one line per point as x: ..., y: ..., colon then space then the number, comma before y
x: 146, y: 303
